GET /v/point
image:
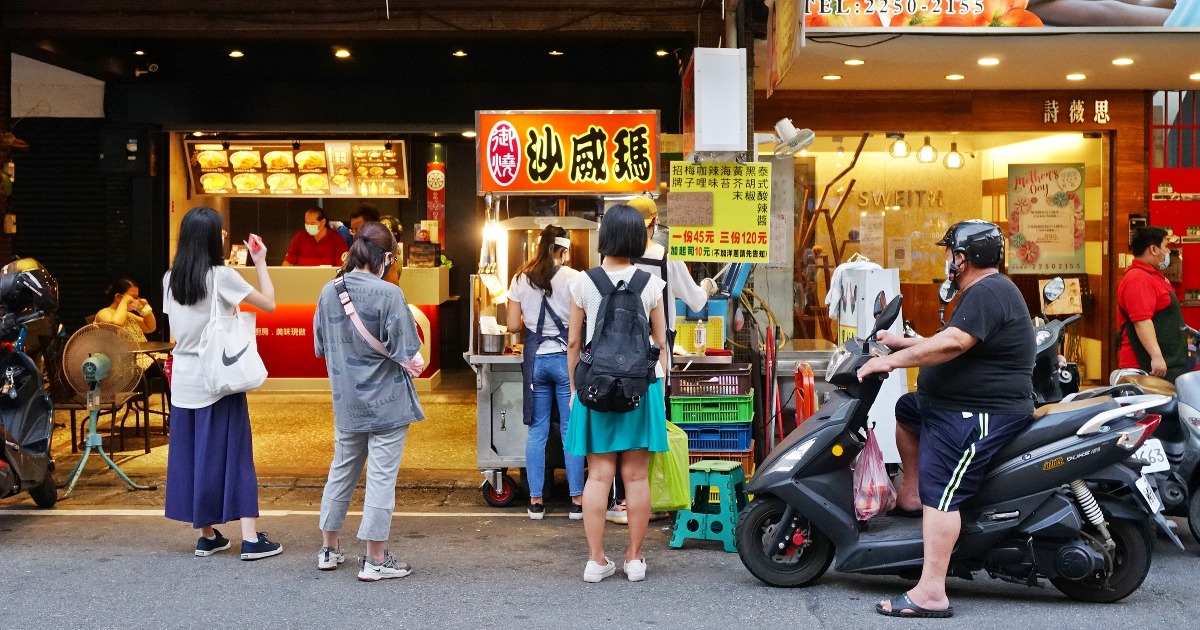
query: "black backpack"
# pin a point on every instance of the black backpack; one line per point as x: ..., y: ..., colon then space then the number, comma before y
x: 613, y: 375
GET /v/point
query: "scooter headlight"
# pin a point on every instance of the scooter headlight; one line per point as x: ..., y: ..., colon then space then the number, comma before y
x: 790, y: 458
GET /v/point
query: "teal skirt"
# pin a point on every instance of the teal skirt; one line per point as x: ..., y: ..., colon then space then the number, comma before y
x: 602, y: 432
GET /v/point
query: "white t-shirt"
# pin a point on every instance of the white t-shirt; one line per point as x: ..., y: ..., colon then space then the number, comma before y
x: 187, y: 323
x: 588, y: 297
x: 680, y: 285
x: 530, y: 299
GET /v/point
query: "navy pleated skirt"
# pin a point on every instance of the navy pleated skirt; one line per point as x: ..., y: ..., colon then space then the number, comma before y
x: 210, y: 464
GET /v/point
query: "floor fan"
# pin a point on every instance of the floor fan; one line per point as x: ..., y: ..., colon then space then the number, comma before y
x: 99, y: 362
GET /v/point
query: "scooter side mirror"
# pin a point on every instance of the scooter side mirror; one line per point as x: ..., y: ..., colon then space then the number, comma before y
x: 887, y: 316
x: 947, y: 291
x: 1054, y: 290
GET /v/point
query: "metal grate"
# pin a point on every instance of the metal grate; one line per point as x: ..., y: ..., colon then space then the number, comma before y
x: 1174, y: 130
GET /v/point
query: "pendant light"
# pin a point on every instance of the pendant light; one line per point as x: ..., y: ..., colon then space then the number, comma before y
x: 899, y: 147
x: 926, y: 154
x: 954, y: 160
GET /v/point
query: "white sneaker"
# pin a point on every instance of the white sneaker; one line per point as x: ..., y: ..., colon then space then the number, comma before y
x: 636, y: 570
x: 594, y: 571
x: 389, y: 568
x: 329, y: 558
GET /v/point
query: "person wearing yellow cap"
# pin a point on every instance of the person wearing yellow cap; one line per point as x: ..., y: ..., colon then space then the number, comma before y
x: 679, y: 285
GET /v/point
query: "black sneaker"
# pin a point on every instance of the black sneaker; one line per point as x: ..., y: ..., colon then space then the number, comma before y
x: 576, y: 512
x: 537, y: 511
x: 261, y: 548
x: 206, y: 547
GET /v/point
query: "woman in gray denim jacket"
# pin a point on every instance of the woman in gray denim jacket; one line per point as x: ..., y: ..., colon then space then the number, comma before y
x: 374, y: 400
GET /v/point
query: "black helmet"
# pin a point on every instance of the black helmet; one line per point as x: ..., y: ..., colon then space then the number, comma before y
x: 26, y: 285
x: 980, y: 241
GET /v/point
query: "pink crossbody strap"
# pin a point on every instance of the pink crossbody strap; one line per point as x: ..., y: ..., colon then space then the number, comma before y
x: 340, y: 285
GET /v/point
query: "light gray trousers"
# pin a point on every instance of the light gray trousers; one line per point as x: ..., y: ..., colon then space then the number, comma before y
x: 381, y: 453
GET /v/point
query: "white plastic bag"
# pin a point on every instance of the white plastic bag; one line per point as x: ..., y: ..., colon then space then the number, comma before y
x: 873, y: 491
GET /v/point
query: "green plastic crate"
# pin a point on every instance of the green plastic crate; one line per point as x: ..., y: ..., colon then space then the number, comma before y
x: 712, y: 409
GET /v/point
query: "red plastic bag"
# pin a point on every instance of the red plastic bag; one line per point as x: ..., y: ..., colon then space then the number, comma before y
x: 873, y: 491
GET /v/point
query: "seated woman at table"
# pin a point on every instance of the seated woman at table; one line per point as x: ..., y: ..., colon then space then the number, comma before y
x: 129, y: 311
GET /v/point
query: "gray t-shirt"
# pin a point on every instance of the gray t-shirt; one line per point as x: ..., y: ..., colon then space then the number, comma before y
x: 371, y: 392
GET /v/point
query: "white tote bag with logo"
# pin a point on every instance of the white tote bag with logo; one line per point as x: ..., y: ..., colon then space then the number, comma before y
x: 228, y: 349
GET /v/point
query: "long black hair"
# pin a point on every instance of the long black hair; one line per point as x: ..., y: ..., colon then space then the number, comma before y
x: 369, y: 246
x: 539, y: 269
x: 199, y: 250
x: 120, y: 285
x: 622, y: 233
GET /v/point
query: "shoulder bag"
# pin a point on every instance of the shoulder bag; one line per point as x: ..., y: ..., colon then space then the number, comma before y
x: 413, y: 366
x: 228, y: 349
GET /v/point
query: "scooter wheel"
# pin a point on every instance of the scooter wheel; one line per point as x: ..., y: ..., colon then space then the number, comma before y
x: 502, y: 496
x: 800, y: 564
x: 46, y: 494
x: 1194, y: 515
x: 1131, y: 563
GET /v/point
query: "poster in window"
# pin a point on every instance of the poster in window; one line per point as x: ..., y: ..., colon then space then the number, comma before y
x: 1046, y: 228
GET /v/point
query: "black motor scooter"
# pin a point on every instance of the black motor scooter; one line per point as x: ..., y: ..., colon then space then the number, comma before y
x: 1061, y: 501
x: 27, y: 293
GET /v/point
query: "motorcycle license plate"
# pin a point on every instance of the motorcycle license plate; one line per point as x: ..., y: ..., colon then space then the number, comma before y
x: 1149, y: 494
x: 1152, y: 451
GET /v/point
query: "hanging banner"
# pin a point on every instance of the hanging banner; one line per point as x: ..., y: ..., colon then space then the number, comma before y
x: 567, y: 152
x: 862, y: 15
x: 740, y: 227
x: 1045, y: 219
x: 435, y: 195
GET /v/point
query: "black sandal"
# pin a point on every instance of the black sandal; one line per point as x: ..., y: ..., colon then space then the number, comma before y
x: 902, y: 603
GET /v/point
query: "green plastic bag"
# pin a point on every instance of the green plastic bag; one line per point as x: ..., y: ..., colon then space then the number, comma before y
x: 670, y: 483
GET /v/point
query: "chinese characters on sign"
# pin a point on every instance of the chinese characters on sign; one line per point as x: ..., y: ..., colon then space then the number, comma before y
x: 1046, y: 227
x: 1076, y: 112
x: 741, y: 226
x: 567, y: 152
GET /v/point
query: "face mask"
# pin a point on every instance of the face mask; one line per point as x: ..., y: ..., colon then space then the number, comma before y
x: 387, y: 266
x: 950, y: 275
x: 1166, y: 261
x: 312, y: 229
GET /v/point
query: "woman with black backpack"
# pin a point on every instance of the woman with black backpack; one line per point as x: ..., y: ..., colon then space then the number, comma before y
x: 617, y: 406
x: 539, y: 301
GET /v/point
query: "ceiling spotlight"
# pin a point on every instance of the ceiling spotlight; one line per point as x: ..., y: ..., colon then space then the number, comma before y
x: 236, y: 54
x: 341, y: 53
x: 955, y: 77
x: 197, y: 133
x: 1076, y: 76
x: 989, y: 61
x: 841, y: 151
x: 1194, y: 76
x: 954, y: 160
x: 556, y: 53
x: 468, y: 134
x: 926, y: 154
x: 387, y: 146
x: 1122, y: 61
x: 661, y: 53
x: 459, y: 53
x: 854, y: 62
x: 899, y: 147
x: 225, y: 144
x: 831, y: 77
x: 139, y: 52
x: 295, y: 145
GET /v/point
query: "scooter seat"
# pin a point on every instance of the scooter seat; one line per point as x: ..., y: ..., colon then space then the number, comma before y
x: 1051, y: 423
x: 1150, y: 384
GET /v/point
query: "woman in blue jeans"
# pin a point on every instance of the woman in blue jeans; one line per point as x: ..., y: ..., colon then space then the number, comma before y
x: 539, y: 302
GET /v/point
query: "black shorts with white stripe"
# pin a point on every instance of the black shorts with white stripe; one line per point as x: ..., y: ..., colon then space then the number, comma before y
x: 956, y: 447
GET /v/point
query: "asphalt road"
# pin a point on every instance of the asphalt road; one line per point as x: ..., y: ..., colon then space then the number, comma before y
x: 476, y: 567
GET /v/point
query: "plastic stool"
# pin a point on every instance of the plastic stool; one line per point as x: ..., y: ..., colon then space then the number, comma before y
x: 712, y: 521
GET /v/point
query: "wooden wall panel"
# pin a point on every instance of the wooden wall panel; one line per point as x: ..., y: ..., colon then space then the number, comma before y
x: 1124, y: 144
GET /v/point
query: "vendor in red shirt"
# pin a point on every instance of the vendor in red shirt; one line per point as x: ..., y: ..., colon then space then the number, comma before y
x: 317, y: 244
x: 1148, y: 312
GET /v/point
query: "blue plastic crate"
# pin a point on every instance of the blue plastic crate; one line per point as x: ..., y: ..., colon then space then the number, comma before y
x: 718, y: 437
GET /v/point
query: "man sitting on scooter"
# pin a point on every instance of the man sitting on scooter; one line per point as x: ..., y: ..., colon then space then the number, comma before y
x: 974, y: 395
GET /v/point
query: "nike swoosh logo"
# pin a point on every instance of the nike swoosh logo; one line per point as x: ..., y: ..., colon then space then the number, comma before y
x: 230, y: 360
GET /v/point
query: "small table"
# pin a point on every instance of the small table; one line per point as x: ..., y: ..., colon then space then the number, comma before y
x: 156, y: 348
